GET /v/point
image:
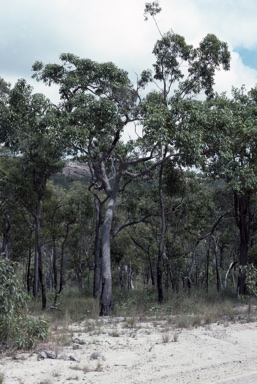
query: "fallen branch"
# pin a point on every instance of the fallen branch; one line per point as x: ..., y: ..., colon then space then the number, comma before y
x: 53, y: 307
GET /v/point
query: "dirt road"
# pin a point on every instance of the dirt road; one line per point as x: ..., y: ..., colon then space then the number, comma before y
x: 125, y: 351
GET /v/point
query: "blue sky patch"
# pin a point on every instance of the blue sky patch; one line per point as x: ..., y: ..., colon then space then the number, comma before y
x: 249, y: 56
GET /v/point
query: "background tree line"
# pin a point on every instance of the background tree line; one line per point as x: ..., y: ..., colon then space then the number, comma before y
x: 173, y: 208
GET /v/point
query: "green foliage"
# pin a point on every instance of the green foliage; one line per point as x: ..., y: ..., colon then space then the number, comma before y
x: 169, y: 52
x: 201, y: 62
x: 135, y: 302
x: 17, y: 329
x: 97, y: 102
x: 73, y: 305
x: 230, y: 139
x: 193, y: 308
x: 31, y: 124
x: 152, y: 9
x: 250, y: 273
x: 27, y: 331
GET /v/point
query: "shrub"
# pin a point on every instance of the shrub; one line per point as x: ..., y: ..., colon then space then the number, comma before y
x: 17, y: 328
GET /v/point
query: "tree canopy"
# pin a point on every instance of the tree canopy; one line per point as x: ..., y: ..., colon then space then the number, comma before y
x: 172, y: 207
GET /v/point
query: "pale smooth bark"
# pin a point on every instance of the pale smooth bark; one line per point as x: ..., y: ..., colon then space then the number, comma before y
x: 97, y: 270
x: 106, y: 294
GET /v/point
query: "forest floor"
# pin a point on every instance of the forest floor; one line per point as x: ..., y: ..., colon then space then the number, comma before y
x: 140, y: 350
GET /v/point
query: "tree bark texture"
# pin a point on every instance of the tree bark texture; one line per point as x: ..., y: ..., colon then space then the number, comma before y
x: 207, y: 263
x: 243, y: 220
x: 218, y: 276
x: 55, y: 278
x: 162, y: 240
x: 28, y: 270
x: 61, y: 282
x: 35, y: 281
x: 97, y: 271
x: 39, y: 254
x: 106, y: 293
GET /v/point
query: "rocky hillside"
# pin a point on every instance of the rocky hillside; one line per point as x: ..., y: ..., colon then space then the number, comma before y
x: 76, y: 171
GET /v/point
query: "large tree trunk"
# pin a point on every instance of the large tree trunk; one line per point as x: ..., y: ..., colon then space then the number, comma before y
x: 218, y: 276
x: 61, y: 281
x: 162, y: 240
x: 106, y: 293
x: 28, y: 271
x: 28, y: 268
x: 35, y: 281
x: 55, y: 276
x: 207, y: 263
x: 151, y: 269
x: 97, y: 271
x: 243, y: 219
x: 39, y: 254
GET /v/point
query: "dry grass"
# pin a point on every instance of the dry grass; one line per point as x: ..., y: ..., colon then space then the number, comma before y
x: 99, y: 367
x: 183, y: 321
x: 114, y: 333
x: 86, y: 369
x: 1, y: 378
x: 175, y: 337
x: 165, y: 337
x: 76, y: 368
x: 131, y: 322
x: 56, y: 374
x: 72, y: 307
x: 178, y: 311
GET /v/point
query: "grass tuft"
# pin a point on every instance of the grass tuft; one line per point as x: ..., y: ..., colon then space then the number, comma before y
x: 165, y: 337
x: 1, y: 378
x: 131, y: 322
x: 175, y: 337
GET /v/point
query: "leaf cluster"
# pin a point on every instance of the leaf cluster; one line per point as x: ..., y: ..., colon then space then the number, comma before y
x: 17, y: 328
x: 230, y: 134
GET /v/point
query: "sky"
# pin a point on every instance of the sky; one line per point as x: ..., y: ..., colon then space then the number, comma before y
x: 115, y: 30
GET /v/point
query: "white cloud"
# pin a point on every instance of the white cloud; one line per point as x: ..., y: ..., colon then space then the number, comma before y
x: 115, y: 30
x: 238, y: 76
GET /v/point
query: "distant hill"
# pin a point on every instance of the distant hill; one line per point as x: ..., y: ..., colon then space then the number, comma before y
x: 72, y: 171
x: 76, y: 171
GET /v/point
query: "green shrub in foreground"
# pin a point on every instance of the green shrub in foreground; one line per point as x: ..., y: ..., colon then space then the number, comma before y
x: 17, y: 328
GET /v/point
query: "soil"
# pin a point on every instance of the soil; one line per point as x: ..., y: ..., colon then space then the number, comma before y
x: 137, y: 351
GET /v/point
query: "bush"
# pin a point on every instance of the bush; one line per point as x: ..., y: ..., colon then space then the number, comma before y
x: 17, y: 328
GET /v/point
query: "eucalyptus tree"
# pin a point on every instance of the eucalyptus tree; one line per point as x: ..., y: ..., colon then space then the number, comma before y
x: 79, y: 243
x: 29, y: 127
x: 180, y: 73
x: 16, y: 223
x: 137, y: 207
x: 97, y: 102
x: 230, y: 153
x: 67, y: 230
x: 8, y: 204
